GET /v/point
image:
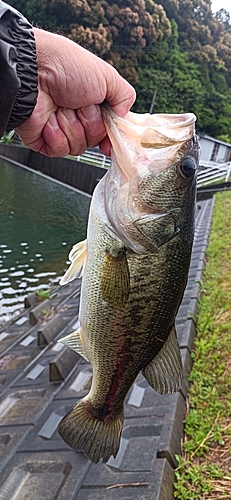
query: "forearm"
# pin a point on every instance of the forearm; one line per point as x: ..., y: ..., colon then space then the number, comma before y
x: 18, y: 69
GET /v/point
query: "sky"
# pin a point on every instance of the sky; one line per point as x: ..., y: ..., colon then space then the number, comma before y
x: 221, y: 4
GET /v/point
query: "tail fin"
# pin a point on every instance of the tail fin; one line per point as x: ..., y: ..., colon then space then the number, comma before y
x: 96, y: 438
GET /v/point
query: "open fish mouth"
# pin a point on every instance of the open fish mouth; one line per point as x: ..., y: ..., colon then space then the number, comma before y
x: 157, y: 130
x: 147, y: 150
x: 141, y: 140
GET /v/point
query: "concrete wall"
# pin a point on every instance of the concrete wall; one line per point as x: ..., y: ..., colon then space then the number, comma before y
x: 79, y: 175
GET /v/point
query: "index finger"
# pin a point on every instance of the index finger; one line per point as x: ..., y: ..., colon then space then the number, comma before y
x: 119, y: 94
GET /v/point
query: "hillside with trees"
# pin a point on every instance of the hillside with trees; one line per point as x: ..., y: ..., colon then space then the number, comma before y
x: 176, y: 50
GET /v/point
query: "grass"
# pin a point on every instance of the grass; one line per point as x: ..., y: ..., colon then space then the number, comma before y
x: 204, y: 471
x: 43, y: 294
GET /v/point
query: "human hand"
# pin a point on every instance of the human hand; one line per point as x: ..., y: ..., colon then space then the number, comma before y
x: 72, y: 82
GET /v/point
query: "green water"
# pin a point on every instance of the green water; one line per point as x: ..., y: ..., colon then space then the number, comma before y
x: 40, y: 221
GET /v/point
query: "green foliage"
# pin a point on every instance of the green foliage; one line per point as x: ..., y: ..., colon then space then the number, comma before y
x: 8, y: 137
x: 39, y: 12
x: 43, y: 294
x: 169, y: 72
x: 225, y: 137
x: 46, y: 312
x: 194, y: 481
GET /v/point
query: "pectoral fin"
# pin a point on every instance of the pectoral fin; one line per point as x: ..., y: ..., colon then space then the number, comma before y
x: 115, y: 279
x: 74, y: 341
x: 78, y: 258
x: 164, y: 372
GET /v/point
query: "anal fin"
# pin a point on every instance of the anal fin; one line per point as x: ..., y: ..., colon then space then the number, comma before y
x: 164, y: 372
x: 74, y: 341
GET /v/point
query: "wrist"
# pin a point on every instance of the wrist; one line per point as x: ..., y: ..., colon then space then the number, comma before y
x: 50, y: 67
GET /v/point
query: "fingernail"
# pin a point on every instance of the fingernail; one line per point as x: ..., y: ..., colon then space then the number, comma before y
x: 53, y: 121
x: 90, y: 112
x: 70, y: 114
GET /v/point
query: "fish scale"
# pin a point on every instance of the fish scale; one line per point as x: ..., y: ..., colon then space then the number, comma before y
x: 134, y: 264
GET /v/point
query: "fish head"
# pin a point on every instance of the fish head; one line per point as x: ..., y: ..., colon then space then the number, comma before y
x: 152, y: 174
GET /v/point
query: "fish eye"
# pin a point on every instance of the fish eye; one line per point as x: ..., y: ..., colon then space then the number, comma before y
x: 187, y: 167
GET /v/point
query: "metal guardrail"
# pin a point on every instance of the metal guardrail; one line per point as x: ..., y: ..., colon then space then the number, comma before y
x: 213, y: 173
x: 94, y: 157
x: 209, y: 172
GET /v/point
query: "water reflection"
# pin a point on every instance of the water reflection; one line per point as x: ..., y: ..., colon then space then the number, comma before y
x: 40, y: 220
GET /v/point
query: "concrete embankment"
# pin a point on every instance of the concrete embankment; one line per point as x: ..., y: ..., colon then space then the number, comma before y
x: 72, y: 172
x: 41, y: 380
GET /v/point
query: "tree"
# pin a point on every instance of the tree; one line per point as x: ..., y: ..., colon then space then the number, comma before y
x: 120, y: 31
x: 168, y: 72
x: 223, y: 16
x: 39, y: 12
x: 116, y: 31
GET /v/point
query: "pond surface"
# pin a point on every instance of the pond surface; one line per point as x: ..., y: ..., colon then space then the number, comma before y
x: 40, y: 221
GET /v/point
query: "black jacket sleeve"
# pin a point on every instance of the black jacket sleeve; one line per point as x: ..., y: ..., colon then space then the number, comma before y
x: 18, y: 69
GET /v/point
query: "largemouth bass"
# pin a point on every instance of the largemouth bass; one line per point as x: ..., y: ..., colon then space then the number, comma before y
x: 135, y: 264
